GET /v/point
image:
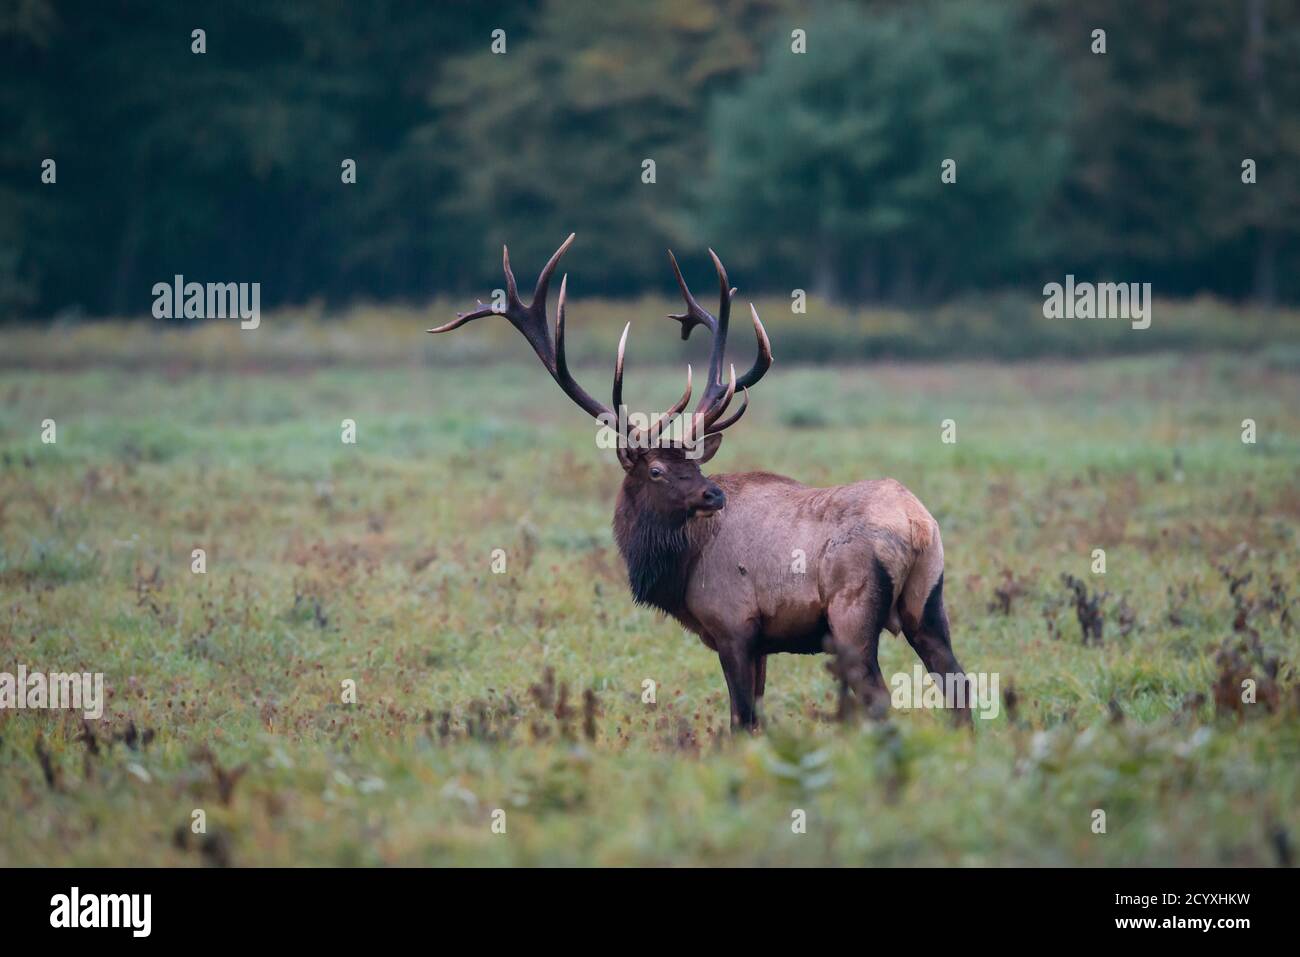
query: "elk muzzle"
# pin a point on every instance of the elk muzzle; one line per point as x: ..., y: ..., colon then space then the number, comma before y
x: 707, y: 501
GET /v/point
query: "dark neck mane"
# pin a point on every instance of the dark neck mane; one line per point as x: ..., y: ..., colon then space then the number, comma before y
x: 657, y: 554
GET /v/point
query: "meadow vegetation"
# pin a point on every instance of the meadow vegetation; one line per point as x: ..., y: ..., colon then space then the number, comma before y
x: 523, y: 691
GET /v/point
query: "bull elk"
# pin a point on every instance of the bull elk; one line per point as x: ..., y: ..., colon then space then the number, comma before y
x: 717, y: 552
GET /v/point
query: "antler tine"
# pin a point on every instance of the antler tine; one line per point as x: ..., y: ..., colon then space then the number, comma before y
x: 652, y: 432
x: 462, y: 318
x: 716, y: 409
x: 560, y: 371
x: 763, y: 361
x: 716, y: 358
x: 735, y: 416
x: 695, y: 314
x: 561, y: 364
x: 512, y: 289
x: 544, y: 277
x: 701, y: 422
x: 657, y: 427
x: 618, y: 369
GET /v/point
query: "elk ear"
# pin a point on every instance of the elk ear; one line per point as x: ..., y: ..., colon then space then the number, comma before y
x: 625, y: 458
x: 709, y: 445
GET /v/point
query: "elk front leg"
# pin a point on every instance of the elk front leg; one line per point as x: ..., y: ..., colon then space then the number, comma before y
x: 760, y: 683
x: 739, y: 664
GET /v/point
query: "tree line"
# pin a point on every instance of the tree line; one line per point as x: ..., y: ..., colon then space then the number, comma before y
x: 875, y: 151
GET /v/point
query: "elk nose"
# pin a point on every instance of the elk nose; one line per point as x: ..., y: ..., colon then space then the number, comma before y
x: 714, y: 497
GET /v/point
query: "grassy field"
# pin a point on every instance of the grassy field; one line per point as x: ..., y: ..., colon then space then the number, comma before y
x: 523, y: 691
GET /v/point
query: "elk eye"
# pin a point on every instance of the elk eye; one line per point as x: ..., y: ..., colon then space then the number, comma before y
x: 656, y: 472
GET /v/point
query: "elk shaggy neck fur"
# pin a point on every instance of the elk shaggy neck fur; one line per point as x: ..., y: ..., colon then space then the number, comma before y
x: 659, y: 551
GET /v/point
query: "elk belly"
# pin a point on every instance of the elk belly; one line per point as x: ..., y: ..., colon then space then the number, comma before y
x: 794, y: 622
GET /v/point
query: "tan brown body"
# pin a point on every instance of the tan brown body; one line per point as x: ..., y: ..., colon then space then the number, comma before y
x: 784, y: 567
x: 782, y: 554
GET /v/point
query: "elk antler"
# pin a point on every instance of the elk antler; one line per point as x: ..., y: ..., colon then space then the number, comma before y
x: 531, y: 321
x: 717, y: 395
x: 650, y: 435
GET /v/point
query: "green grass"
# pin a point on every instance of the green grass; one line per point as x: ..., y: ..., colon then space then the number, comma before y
x: 328, y: 562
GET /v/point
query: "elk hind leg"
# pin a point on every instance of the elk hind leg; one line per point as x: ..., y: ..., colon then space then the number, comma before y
x: 856, y: 621
x: 925, y: 624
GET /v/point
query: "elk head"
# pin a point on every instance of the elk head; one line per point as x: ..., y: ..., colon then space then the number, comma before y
x: 661, y: 460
